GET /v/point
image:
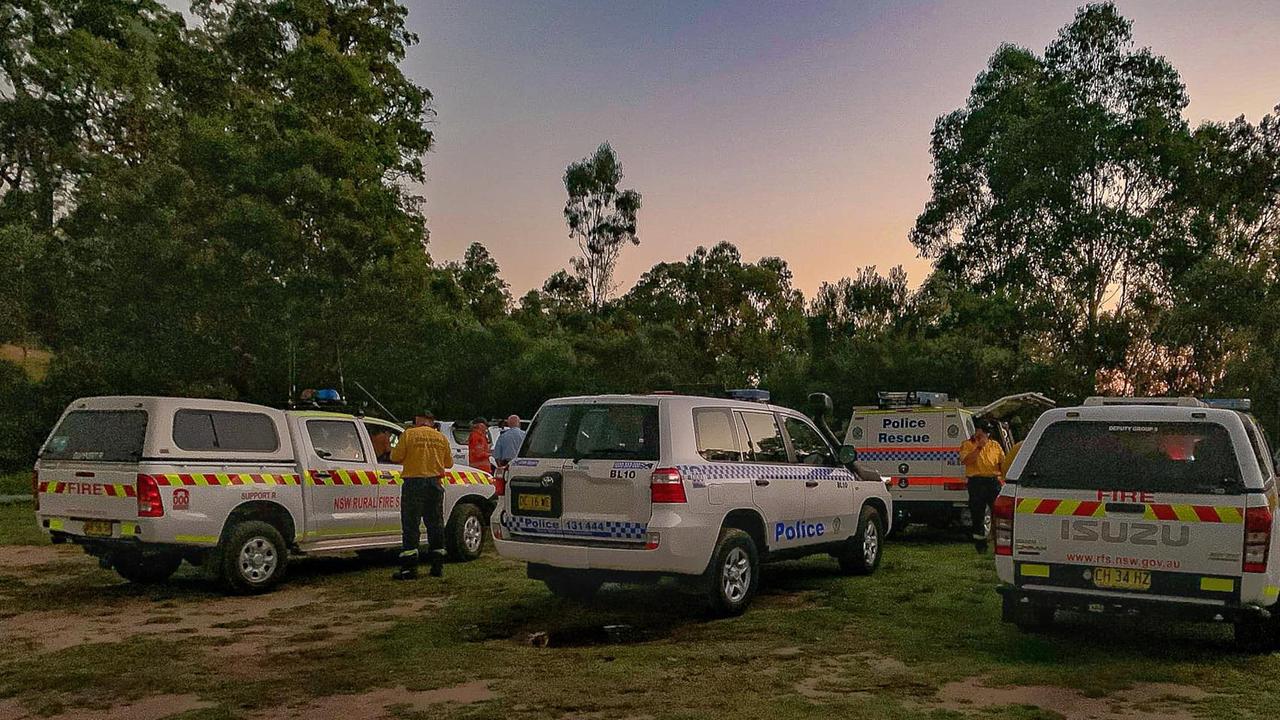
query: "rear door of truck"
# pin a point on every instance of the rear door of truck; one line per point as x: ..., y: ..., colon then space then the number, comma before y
x: 87, y: 472
x: 584, y: 473
x: 1124, y: 506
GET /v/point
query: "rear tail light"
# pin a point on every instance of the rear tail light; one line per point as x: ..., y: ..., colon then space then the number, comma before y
x: 499, y: 485
x: 955, y: 486
x: 1257, y: 539
x: 35, y: 487
x: 148, y: 491
x: 666, y: 485
x: 1002, y: 524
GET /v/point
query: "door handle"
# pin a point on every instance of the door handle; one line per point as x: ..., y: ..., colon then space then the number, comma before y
x: 1127, y: 508
x: 761, y: 482
x: 811, y: 483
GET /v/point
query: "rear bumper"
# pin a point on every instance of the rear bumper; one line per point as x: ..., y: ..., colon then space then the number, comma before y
x: 126, y: 532
x: 683, y: 549
x: 1120, y: 603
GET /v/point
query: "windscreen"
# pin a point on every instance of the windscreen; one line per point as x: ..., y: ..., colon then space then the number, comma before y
x: 594, y: 432
x: 100, y: 435
x: 1193, y: 458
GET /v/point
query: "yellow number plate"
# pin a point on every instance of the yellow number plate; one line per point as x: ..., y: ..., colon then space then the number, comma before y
x: 97, y: 528
x: 1121, y: 579
x: 534, y: 502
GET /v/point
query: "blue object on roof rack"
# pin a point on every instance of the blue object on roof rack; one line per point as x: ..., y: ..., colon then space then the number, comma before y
x: 750, y: 394
x: 328, y: 395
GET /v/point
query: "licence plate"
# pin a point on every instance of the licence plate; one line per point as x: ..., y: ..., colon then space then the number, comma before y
x: 1121, y: 579
x: 97, y: 528
x: 538, y: 503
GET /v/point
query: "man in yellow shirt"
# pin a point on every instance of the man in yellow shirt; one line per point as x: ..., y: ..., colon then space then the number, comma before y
x: 981, y: 457
x: 424, y: 453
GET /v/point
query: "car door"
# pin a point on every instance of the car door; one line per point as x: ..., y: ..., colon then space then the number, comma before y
x: 384, y: 437
x: 341, y: 479
x: 777, y: 488
x: 830, y: 495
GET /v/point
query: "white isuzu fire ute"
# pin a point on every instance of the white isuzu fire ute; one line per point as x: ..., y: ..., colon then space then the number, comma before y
x: 144, y: 483
x: 1143, y: 506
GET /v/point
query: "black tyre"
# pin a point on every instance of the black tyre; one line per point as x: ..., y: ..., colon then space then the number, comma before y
x: 252, y: 556
x: 145, y: 569
x: 568, y: 585
x: 1027, y: 617
x: 862, y: 556
x: 734, y: 575
x: 1255, y: 636
x: 464, y: 534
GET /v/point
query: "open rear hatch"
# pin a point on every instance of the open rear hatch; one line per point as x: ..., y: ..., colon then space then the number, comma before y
x: 88, y: 469
x: 1156, y: 508
x: 584, y: 473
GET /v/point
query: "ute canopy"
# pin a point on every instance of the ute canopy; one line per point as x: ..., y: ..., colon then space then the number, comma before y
x: 1011, y: 405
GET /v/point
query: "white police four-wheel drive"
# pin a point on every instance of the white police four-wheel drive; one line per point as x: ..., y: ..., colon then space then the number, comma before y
x: 146, y: 482
x: 1140, y: 506
x: 631, y: 488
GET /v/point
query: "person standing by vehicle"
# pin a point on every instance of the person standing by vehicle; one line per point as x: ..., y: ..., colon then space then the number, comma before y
x: 981, y: 457
x: 424, y: 453
x: 478, y: 447
x: 509, y: 442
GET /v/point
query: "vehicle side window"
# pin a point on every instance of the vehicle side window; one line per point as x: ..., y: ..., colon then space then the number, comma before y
x: 384, y: 438
x: 715, y: 434
x: 206, y: 430
x: 810, y: 448
x: 336, y: 440
x: 764, y: 441
x: 1259, y: 446
x: 461, y: 433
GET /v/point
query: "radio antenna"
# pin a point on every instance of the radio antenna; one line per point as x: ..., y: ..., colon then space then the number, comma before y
x: 381, y: 407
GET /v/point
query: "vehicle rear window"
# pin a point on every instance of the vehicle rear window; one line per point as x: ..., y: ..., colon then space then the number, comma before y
x: 206, y: 430
x: 599, y: 432
x: 1156, y: 457
x: 461, y: 433
x: 101, y: 435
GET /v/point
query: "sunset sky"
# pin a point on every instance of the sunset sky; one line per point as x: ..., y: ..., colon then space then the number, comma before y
x: 791, y: 129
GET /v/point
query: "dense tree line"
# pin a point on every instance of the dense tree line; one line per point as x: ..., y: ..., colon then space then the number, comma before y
x: 223, y: 208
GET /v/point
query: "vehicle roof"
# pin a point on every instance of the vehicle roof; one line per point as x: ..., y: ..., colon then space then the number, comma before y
x: 678, y: 401
x: 1154, y: 413
x: 161, y: 402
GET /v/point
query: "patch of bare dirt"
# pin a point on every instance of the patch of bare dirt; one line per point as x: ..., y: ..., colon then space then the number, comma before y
x: 1146, y: 701
x: 28, y: 556
x: 379, y: 704
x: 858, y: 673
x: 152, y: 708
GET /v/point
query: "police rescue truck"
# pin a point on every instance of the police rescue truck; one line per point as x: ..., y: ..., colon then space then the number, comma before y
x: 144, y: 483
x: 633, y: 488
x: 1143, y: 506
x: 914, y: 439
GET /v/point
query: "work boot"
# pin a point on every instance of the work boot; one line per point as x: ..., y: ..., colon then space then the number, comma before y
x: 980, y: 546
x: 405, y: 574
x: 437, y: 566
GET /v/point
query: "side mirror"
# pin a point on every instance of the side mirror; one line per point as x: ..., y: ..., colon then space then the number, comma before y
x: 847, y: 455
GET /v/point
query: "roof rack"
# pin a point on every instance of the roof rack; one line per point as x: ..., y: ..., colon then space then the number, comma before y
x: 910, y: 398
x: 1099, y: 400
x: 749, y: 394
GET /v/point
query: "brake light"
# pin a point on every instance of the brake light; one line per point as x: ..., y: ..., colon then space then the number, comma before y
x: 499, y: 484
x: 148, y: 491
x: 1257, y: 538
x: 666, y: 485
x: 1002, y: 524
x: 35, y: 487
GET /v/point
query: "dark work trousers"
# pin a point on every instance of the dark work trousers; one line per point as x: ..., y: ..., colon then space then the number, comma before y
x: 983, y: 491
x: 421, y: 499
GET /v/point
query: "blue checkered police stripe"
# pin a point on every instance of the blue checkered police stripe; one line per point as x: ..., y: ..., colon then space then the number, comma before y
x: 699, y: 475
x: 946, y: 456
x: 559, y: 527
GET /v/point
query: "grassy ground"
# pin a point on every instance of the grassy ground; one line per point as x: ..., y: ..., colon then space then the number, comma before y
x: 814, y: 645
x: 18, y: 483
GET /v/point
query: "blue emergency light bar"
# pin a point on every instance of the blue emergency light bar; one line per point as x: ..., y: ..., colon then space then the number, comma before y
x: 749, y: 394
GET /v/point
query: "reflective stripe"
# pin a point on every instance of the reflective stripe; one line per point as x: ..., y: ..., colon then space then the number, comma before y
x: 201, y: 539
x: 1040, y: 571
x: 56, y: 524
x: 408, y: 553
x: 1152, y: 511
x: 1217, y: 584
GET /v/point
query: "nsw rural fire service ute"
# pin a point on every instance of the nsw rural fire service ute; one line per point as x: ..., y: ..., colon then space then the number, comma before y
x: 144, y: 483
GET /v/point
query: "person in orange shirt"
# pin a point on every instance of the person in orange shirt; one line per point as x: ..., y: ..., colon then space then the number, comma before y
x: 479, y: 448
x: 981, y: 456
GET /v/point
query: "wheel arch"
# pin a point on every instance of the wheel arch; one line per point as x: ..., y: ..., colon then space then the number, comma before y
x: 272, y: 513
x: 750, y: 521
x: 881, y: 507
